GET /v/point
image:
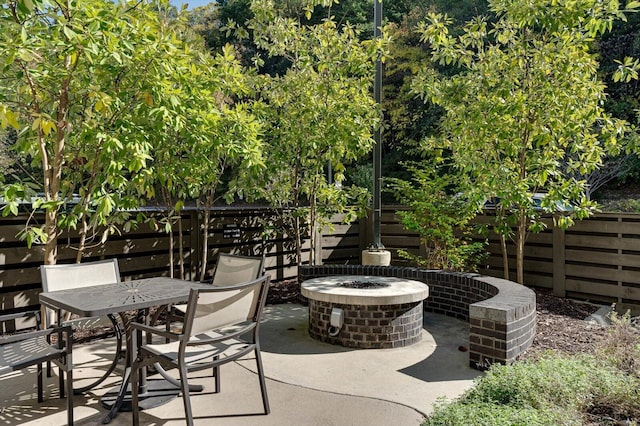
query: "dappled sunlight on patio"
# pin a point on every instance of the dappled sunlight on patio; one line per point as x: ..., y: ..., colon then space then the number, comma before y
x: 309, y: 382
x: 415, y: 375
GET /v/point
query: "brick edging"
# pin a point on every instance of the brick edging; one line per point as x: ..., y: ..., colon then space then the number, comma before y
x: 501, y: 313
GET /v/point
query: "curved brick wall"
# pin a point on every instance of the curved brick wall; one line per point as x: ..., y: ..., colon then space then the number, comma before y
x: 501, y: 313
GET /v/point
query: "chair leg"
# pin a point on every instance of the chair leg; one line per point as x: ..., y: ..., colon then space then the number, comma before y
x: 69, y: 397
x: 135, y: 378
x: 40, y: 384
x: 186, y: 398
x: 216, y: 374
x: 263, y: 384
x: 167, y: 323
x: 61, y: 382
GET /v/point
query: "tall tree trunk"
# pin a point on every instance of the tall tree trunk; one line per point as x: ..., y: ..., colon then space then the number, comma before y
x: 84, y: 229
x: 171, y: 245
x: 205, y: 236
x: 296, y: 210
x: 180, y: 248
x: 166, y: 197
x: 312, y: 230
x: 505, y: 256
x: 51, y: 231
x: 53, y: 168
x: 520, y: 239
x: 298, y: 238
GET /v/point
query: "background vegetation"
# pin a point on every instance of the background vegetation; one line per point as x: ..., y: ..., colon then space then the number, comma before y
x: 215, y: 104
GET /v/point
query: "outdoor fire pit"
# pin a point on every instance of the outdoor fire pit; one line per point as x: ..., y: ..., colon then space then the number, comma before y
x: 364, y: 311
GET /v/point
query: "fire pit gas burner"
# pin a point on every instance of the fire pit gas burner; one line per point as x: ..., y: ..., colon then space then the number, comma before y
x: 362, y: 284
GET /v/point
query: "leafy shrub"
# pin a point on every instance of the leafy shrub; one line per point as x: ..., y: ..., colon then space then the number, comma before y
x: 621, y: 347
x: 627, y: 205
x: 549, y: 380
x: 483, y: 414
x: 553, y: 390
x: 441, y: 216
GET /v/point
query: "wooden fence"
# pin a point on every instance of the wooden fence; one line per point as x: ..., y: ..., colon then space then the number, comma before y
x: 597, y: 259
x: 145, y: 252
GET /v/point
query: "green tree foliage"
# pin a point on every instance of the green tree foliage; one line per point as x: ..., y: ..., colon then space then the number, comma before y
x: 525, y: 111
x: 91, y: 87
x: 441, y: 216
x: 321, y: 110
x: 70, y: 70
x: 208, y: 143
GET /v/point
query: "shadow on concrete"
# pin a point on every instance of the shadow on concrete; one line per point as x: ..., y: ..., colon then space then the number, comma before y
x: 450, y: 360
x: 284, y: 331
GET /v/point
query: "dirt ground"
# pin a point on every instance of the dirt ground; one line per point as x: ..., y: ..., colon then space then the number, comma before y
x: 561, y: 326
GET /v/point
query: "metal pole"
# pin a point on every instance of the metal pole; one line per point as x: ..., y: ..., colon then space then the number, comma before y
x: 377, y: 149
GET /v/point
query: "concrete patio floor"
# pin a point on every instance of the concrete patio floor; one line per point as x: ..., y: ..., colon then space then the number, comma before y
x: 308, y: 382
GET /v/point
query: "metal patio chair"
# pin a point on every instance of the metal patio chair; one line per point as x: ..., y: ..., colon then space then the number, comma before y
x: 70, y: 276
x: 27, y: 349
x: 221, y: 324
x: 231, y: 269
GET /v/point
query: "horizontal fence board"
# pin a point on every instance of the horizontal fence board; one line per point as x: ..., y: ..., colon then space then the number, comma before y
x: 632, y: 293
x: 335, y: 253
x: 21, y: 255
x: 602, y: 258
x: 609, y: 274
x: 540, y: 238
x: 29, y: 275
x: 606, y: 226
x: 19, y: 299
x: 536, y: 280
x: 396, y: 229
x: 594, y: 288
x: 337, y: 241
x: 593, y: 241
x: 537, y: 266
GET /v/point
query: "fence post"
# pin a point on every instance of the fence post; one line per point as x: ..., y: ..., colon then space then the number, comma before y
x: 559, y: 282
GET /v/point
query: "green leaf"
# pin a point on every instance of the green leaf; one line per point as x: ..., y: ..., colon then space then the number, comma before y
x: 632, y: 5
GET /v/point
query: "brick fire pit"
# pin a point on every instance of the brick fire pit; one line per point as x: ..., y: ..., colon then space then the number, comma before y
x: 379, y: 312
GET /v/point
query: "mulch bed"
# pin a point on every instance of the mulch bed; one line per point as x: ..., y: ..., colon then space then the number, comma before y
x: 561, y: 326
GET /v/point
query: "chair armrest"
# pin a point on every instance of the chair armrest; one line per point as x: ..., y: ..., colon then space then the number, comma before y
x: 154, y: 330
x: 33, y: 334
x: 25, y: 314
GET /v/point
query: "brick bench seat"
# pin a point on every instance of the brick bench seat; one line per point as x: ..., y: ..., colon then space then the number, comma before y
x: 501, y: 314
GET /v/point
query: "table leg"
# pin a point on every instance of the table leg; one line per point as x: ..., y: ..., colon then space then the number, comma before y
x: 126, y: 323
